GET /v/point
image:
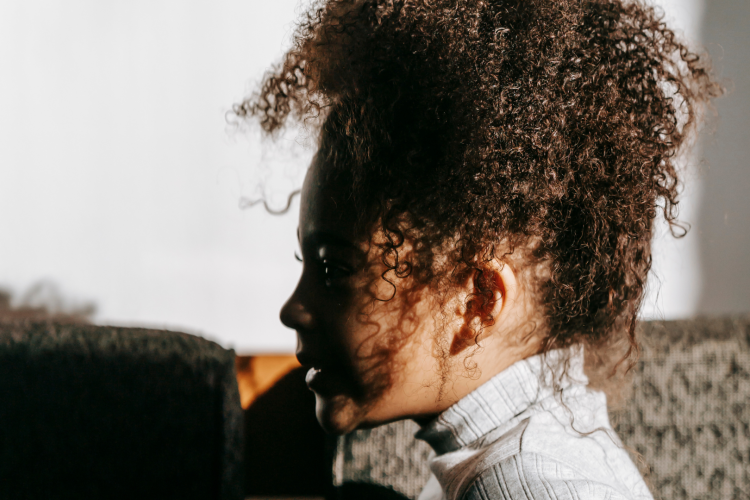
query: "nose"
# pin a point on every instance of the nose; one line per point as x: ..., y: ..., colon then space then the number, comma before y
x: 295, y: 315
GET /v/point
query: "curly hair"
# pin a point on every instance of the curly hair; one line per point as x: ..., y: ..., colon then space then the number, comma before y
x: 552, y: 126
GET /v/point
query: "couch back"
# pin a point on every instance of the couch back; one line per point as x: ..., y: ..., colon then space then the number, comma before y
x: 688, y: 419
x: 105, y: 412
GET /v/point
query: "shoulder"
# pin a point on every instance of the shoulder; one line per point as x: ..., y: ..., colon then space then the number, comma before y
x: 532, y: 476
x: 545, y: 457
x: 584, y: 441
x: 556, y: 452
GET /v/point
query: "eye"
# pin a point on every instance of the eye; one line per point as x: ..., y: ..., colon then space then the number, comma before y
x: 335, y: 273
x: 297, y: 256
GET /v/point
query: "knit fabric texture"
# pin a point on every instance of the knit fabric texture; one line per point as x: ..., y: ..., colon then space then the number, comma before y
x: 104, y: 412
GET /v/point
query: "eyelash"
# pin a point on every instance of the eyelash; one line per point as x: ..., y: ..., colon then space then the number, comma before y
x: 328, y: 266
x: 331, y: 281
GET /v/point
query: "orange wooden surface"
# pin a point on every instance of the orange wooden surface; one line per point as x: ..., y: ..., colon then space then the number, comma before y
x: 256, y: 374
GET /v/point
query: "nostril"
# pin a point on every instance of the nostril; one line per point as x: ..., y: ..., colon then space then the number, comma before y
x: 295, y: 316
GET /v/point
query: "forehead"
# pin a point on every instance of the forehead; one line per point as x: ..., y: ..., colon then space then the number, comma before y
x: 325, y: 205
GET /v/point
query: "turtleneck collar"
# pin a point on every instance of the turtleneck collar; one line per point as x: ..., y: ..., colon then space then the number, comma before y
x: 523, y: 386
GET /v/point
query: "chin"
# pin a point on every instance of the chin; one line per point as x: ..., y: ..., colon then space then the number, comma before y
x: 338, y: 414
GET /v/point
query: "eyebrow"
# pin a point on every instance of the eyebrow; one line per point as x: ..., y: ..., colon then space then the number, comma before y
x: 318, y: 238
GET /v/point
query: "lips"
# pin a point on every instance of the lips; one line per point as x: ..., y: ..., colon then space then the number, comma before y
x: 308, y: 360
x: 314, y: 364
x: 321, y: 378
x: 312, y: 373
x: 319, y: 381
x: 324, y: 382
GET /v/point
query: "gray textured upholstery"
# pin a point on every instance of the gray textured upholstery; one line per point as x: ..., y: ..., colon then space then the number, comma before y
x: 387, y: 455
x: 690, y: 414
x: 688, y: 418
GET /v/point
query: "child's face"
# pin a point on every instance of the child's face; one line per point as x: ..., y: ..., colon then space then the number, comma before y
x: 369, y: 360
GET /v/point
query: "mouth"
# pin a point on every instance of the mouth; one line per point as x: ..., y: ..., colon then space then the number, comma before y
x: 324, y: 382
x: 311, y: 375
x: 321, y: 376
x: 309, y: 361
x: 303, y: 358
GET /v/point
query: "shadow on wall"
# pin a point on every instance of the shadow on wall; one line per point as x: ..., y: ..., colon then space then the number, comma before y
x: 723, y: 225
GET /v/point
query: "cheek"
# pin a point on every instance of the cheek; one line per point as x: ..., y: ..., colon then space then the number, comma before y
x: 369, y: 336
x: 384, y: 346
x: 412, y: 379
x: 385, y: 338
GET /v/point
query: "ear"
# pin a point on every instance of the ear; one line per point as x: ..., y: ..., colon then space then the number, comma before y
x: 489, y: 292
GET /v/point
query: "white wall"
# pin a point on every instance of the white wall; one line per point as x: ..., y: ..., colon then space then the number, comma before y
x: 674, y: 287
x: 119, y: 178
x: 120, y: 181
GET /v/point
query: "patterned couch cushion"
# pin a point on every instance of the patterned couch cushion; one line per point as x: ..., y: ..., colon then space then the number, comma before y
x: 687, y: 422
x: 690, y: 413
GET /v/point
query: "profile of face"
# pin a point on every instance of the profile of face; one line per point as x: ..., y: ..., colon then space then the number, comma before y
x: 372, y: 360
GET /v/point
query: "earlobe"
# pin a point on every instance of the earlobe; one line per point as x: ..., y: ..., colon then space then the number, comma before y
x: 463, y: 339
x: 486, y: 295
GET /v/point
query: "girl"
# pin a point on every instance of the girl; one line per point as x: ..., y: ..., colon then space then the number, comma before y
x: 475, y: 227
